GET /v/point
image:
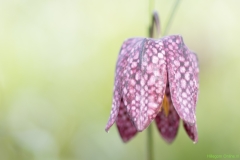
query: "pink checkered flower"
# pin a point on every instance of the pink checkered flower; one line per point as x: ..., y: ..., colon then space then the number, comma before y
x: 155, y: 79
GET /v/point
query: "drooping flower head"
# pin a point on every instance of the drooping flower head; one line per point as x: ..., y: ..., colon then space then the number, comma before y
x: 155, y: 79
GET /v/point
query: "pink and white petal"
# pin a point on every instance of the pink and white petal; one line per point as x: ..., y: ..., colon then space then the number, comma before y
x: 168, y: 125
x: 181, y: 78
x: 124, y: 124
x: 115, y: 107
x: 144, y: 82
x: 194, y: 60
x: 117, y: 91
x: 191, y: 131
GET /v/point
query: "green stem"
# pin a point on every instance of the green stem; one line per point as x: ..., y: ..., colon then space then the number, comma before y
x: 155, y: 21
x: 171, y: 17
x: 150, y: 150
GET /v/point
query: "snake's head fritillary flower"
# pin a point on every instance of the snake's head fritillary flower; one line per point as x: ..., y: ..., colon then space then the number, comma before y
x: 155, y: 79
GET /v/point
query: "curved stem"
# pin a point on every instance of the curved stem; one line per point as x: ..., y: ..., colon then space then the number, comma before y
x: 155, y: 22
x: 177, y: 2
x: 150, y: 150
x: 155, y: 26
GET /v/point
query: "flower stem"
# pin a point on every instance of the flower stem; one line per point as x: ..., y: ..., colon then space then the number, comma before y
x: 156, y: 22
x: 150, y: 150
x: 170, y: 19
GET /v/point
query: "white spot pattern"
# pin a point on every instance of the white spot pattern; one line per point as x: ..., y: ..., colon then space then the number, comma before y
x: 140, y: 82
x: 152, y: 79
x: 180, y: 78
x: 168, y: 125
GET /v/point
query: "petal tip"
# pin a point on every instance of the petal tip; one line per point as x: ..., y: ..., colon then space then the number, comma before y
x: 191, y: 130
x: 107, y: 130
x: 125, y: 140
x: 195, y: 142
x: 142, y: 124
x: 195, y: 139
x: 140, y: 128
x: 108, y: 126
x: 169, y: 141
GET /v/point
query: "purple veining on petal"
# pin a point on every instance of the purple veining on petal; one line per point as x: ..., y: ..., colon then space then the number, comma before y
x: 194, y: 60
x: 144, y: 82
x: 168, y: 124
x: 181, y: 78
x: 191, y: 131
x: 117, y: 91
x: 124, y: 124
x: 144, y: 68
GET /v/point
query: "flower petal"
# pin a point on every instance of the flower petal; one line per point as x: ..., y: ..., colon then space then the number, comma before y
x: 194, y: 60
x: 117, y: 93
x: 125, y: 126
x: 181, y: 77
x: 189, y: 128
x: 168, y: 125
x: 191, y: 131
x: 144, y: 81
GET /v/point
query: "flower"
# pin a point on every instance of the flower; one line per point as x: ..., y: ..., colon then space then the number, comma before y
x: 155, y: 79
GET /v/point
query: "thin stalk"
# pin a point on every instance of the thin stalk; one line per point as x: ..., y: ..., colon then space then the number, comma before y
x: 170, y: 19
x: 154, y: 21
x: 150, y: 150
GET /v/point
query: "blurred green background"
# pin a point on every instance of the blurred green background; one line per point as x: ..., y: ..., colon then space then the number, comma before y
x: 57, y: 62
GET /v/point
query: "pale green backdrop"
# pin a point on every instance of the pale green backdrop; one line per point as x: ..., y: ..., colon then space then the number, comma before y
x: 57, y: 62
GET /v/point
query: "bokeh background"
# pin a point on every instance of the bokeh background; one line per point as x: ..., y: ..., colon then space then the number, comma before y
x: 57, y: 62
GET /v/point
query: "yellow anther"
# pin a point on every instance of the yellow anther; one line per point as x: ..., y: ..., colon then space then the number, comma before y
x: 165, y: 105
